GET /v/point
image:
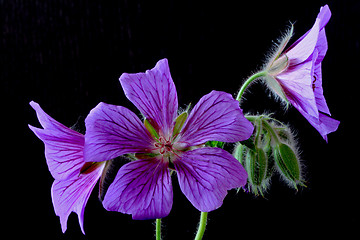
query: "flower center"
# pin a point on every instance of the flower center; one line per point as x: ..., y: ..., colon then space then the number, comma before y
x: 167, y: 149
x: 164, y: 146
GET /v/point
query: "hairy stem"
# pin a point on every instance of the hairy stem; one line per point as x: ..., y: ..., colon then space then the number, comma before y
x: 248, y: 81
x: 202, y: 226
x: 158, y: 229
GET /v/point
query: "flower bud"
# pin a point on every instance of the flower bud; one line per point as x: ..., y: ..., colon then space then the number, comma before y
x: 240, y: 153
x: 288, y: 164
x: 256, y: 164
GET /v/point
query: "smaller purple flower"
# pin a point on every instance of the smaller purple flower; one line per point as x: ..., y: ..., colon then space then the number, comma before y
x: 166, y: 142
x: 74, y: 178
x: 295, y: 75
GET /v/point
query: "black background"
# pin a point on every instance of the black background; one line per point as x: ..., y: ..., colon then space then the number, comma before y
x: 68, y: 55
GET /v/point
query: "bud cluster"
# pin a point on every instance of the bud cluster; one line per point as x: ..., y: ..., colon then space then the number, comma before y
x: 271, y: 149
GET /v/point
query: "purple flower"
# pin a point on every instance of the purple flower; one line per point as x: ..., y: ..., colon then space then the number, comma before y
x: 74, y: 178
x: 164, y: 143
x: 295, y: 75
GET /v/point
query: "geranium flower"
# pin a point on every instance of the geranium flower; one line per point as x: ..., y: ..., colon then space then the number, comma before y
x: 166, y: 141
x: 295, y: 75
x: 74, y: 178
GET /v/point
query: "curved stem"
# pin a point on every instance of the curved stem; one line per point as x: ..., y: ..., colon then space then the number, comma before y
x: 158, y: 229
x: 202, y: 226
x: 248, y: 81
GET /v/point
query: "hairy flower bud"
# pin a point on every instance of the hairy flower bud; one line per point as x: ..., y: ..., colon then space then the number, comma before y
x: 288, y: 164
x: 240, y: 153
x: 256, y: 164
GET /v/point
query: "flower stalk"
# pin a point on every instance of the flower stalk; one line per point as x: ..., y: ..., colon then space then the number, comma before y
x: 158, y: 229
x: 202, y: 226
x: 247, y: 83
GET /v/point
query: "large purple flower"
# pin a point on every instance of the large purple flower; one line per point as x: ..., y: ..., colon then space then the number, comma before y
x: 295, y: 75
x: 74, y: 178
x: 164, y: 142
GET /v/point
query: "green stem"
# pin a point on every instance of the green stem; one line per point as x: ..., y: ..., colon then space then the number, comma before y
x: 270, y: 129
x: 248, y: 81
x: 202, y: 225
x: 158, y: 229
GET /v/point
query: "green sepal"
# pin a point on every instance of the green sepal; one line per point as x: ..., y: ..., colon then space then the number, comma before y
x: 215, y: 144
x: 151, y: 129
x: 276, y: 88
x: 179, y: 123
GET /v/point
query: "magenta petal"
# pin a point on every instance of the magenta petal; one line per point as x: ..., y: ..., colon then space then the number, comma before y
x: 141, y: 188
x: 72, y: 195
x: 216, y: 117
x: 63, y: 146
x: 205, y: 175
x: 112, y: 131
x: 154, y: 94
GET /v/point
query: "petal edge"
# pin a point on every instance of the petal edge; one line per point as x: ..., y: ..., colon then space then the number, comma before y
x: 141, y: 188
x: 216, y: 117
x: 154, y: 94
x: 112, y: 131
x: 205, y: 175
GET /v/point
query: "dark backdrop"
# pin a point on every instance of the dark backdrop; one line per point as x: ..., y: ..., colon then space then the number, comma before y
x: 67, y: 55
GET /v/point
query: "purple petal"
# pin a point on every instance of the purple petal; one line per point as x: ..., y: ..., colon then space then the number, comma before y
x: 154, y: 94
x: 302, y: 50
x: 205, y: 175
x: 321, y: 46
x: 72, y: 195
x: 322, y: 19
x: 324, y: 16
x: 324, y: 124
x: 216, y: 117
x: 112, y: 131
x: 317, y: 85
x: 63, y: 146
x: 327, y: 125
x: 297, y: 85
x: 141, y: 188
